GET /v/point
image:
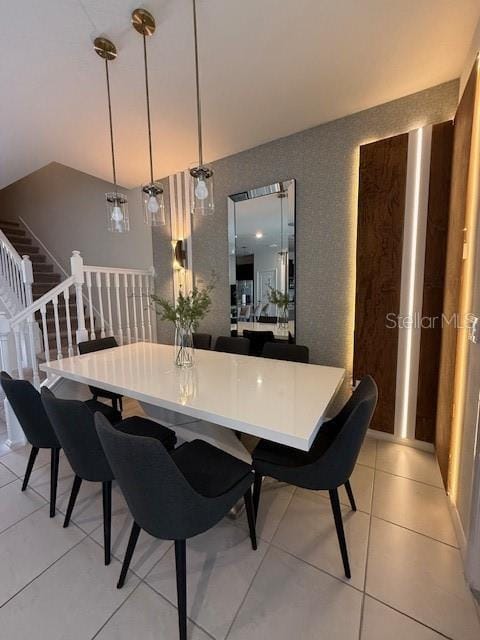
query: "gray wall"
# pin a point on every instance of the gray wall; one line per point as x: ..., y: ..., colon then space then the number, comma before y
x: 324, y: 162
x: 65, y: 208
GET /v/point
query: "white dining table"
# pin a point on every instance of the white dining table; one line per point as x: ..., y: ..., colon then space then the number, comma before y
x: 285, y: 402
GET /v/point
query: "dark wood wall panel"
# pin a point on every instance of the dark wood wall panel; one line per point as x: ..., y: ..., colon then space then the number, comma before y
x: 381, y: 208
x: 458, y: 198
x: 434, y: 280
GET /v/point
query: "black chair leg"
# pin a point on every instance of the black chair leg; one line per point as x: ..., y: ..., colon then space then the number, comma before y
x: 132, y: 543
x: 251, y: 518
x: 257, y: 487
x: 337, y: 515
x: 181, y: 567
x: 107, y: 517
x: 31, y: 462
x: 77, y: 483
x: 349, y: 491
x: 55, y: 456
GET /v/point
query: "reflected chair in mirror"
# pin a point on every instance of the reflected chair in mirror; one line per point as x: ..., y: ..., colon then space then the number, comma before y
x: 228, y: 344
x: 257, y: 340
x: 244, y: 313
x: 202, y: 341
x: 331, y: 459
x: 74, y: 424
x: 89, y: 346
x: 175, y: 496
x: 286, y: 351
x: 28, y: 408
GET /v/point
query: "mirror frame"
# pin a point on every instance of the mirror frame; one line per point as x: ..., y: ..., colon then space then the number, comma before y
x: 276, y: 187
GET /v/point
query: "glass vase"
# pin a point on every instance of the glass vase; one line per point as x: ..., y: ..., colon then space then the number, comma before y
x: 183, y: 346
x: 283, y: 318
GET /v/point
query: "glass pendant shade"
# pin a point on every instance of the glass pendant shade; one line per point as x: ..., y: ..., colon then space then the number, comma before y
x: 153, y: 204
x: 201, y: 191
x: 117, y: 212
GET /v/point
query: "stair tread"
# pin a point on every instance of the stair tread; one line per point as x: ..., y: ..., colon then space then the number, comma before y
x: 9, y: 222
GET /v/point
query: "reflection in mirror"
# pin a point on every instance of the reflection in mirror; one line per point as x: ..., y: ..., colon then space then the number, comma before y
x: 261, y: 229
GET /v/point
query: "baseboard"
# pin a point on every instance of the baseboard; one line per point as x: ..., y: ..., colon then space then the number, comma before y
x: 459, y: 531
x: 406, y: 442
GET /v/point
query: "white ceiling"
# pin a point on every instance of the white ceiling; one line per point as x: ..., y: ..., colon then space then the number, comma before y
x: 268, y: 68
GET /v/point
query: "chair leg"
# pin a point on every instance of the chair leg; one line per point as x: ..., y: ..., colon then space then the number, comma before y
x: 77, y: 483
x: 55, y: 456
x: 120, y: 400
x: 257, y: 487
x: 31, y: 462
x: 251, y: 518
x: 349, y: 491
x: 107, y: 517
x: 337, y: 515
x: 181, y: 567
x: 132, y: 543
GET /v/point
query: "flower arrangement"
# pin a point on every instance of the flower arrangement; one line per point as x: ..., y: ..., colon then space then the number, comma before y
x: 189, y: 309
x: 280, y: 299
x: 186, y: 314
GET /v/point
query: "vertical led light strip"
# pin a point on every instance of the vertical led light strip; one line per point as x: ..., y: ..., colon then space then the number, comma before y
x: 411, y: 295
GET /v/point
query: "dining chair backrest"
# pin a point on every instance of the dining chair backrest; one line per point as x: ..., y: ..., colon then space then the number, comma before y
x: 257, y: 340
x: 74, y: 425
x: 286, y: 351
x: 348, y: 430
x: 158, y: 495
x: 227, y: 344
x: 89, y: 346
x: 202, y: 341
x: 28, y: 408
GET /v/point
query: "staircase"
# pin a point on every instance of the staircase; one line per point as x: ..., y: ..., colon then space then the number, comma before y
x: 44, y: 277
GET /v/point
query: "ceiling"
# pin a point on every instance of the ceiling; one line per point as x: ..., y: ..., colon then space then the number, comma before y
x: 268, y: 68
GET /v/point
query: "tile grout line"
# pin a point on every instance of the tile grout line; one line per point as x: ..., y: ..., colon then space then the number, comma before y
x: 422, y: 624
x: 42, y: 572
x: 269, y: 546
x: 362, y: 609
x: 145, y: 583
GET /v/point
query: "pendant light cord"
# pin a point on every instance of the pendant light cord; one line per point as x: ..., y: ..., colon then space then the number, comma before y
x: 147, y: 93
x: 111, y: 125
x: 197, y: 80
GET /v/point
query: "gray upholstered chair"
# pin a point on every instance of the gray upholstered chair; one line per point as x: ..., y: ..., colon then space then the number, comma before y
x: 175, y: 496
x: 27, y: 406
x: 89, y: 346
x: 286, y: 351
x: 202, y: 341
x: 330, y: 461
x: 228, y: 344
x: 74, y: 424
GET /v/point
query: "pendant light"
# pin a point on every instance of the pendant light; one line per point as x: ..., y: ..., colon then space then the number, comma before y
x: 201, y: 196
x: 116, y: 203
x: 153, y: 203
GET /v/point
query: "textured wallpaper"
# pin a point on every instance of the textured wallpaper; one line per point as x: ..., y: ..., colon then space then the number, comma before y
x: 324, y: 163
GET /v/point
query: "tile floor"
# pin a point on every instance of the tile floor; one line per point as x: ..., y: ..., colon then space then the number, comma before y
x: 407, y: 579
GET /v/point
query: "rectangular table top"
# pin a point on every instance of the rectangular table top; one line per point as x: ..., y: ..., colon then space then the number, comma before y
x: 285, y: 402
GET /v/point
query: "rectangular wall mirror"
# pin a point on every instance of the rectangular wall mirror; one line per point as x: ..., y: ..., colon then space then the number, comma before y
x: 261, y: 232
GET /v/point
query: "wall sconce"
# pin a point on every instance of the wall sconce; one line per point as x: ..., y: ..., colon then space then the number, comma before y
x: 179, y: 255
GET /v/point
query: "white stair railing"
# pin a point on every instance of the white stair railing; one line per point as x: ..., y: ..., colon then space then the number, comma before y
x: 16, y: 277
x: 94, y: 302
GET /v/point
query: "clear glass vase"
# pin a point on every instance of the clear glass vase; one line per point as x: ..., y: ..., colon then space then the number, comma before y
x: 183, y: 346
x: 283, y: 318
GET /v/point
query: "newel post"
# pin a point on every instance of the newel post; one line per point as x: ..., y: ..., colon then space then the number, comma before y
x: 76, y: 264
x: 15, y: 434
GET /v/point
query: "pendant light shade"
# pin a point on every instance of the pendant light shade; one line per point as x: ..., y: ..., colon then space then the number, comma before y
x: 116, y: 203
x: 201, y: 190
x: 153, y: 203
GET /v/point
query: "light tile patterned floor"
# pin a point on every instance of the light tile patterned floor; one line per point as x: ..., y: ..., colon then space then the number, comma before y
x: 407, y: 575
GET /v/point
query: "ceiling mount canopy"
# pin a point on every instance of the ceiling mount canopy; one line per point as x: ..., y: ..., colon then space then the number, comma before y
x: 116, y: 203
x: 201, y: 193
x: 153, y: 202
